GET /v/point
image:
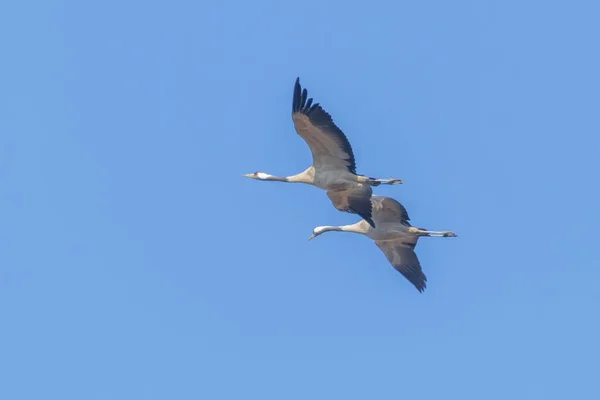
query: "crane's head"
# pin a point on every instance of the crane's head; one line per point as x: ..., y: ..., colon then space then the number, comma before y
x: 258, y: 175
x: 319, y: 230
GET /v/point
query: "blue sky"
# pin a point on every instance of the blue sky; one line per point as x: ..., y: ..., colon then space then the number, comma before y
x: 137, y: 263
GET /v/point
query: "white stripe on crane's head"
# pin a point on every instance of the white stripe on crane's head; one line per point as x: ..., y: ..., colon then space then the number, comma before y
x: 262, y: 175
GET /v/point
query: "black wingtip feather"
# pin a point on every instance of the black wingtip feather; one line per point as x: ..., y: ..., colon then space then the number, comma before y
x: 363, y: 207
x: 366, y: 216
x: 370, y: 221
x: 418, y: 279
x: 297, y: 96
x: 421, y: 285
x: 303, y: 99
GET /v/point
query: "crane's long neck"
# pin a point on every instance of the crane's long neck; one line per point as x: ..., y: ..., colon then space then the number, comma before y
x: 274, y: 178
x: 358, y: 227
x: 303, y: 177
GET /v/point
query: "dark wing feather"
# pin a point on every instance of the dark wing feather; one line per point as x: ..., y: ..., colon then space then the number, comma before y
x: 326, y: 141
x: 400, y: 253
x: 354, y: 200
x: 389, y: 210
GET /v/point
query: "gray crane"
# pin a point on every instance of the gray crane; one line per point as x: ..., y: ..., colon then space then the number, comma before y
x: 334, y: 166
x: 394, y: 235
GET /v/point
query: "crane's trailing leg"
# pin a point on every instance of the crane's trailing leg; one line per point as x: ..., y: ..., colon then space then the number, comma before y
x: 424, y: 232
x: 391, y: 181
x: 376, y: 182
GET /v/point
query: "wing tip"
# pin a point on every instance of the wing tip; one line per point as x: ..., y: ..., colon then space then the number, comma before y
x: 299, y: 98
x: 420, y: 282
x: 364, y: 210
x: 370, y: 221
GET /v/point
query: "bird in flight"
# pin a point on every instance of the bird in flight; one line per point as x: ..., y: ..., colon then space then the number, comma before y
x: 394, y: 235
x: 334, y: 166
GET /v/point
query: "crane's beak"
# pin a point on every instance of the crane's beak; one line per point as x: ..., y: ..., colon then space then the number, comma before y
x: 312, y: 237
x: 248, y: 175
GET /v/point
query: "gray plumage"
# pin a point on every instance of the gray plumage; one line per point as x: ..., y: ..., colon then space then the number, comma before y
x: 399, y: 251
x: 401, y: 254
x: 394, y: 235
x: 334, y: 165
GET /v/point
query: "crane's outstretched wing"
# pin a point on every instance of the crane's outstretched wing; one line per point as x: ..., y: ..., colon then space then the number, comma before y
x: 386, y: 209
x: 327, y: 142
x: 401, y: 254
x: 356, y: 200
